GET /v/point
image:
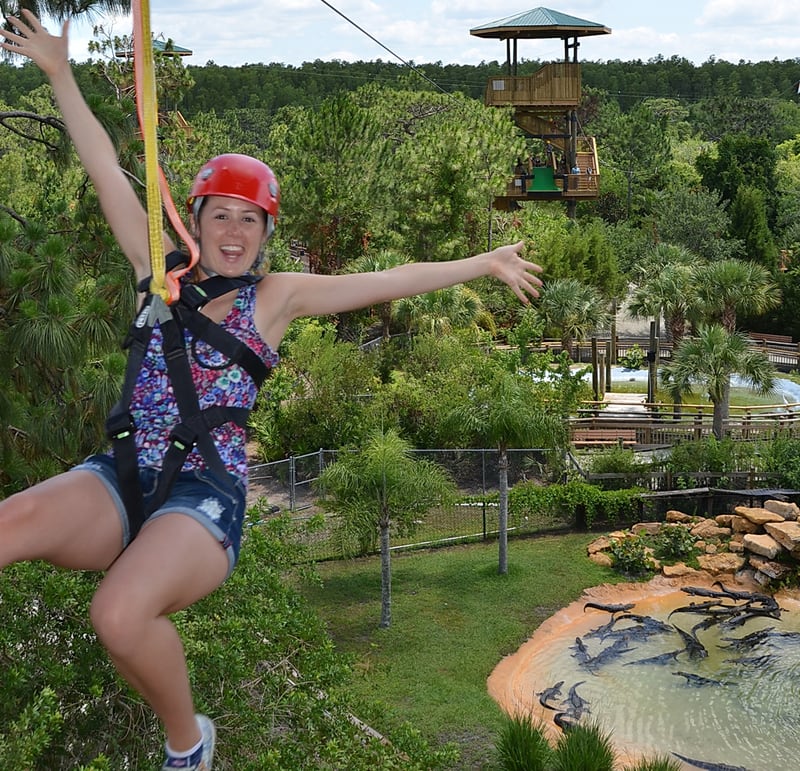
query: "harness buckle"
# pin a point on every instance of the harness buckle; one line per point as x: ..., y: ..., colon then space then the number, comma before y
x: 183, y: 437
x: 120, y: 426
x: 194, y: 297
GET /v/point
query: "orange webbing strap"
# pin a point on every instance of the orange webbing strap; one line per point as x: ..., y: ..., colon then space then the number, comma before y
x: 163, y: 283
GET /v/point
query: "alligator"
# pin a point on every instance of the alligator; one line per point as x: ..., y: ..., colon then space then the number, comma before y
x: 708, y: 766
x: 553, y: 692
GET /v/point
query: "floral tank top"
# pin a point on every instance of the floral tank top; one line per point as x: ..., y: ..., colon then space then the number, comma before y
x: 218, y: 382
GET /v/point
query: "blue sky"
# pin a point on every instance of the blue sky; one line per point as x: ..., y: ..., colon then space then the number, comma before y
x: 235, y: 32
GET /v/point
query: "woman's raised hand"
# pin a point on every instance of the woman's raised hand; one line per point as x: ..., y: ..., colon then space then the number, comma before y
x: 508, y: 265
x: 31, y: 39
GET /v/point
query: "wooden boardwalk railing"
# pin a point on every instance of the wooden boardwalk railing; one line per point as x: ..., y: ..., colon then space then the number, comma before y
x: 660, y: 426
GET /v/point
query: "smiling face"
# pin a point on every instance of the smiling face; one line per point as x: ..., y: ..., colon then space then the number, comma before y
x: 232, y: 233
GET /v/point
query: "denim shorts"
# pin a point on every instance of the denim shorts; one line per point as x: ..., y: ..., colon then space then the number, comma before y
x: 197, y: 493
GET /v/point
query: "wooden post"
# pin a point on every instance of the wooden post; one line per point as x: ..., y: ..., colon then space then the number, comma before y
x: 612, y: 357
x: 601, y: 370
x: 652, y: 365
x: 595, y: 383
x: 609, y: 358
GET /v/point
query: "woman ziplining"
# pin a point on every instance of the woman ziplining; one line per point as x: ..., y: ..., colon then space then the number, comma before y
x: 173, y: 536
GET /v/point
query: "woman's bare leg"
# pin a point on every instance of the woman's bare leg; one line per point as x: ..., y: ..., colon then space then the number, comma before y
x: 69, y: 520
x: 172, y: 563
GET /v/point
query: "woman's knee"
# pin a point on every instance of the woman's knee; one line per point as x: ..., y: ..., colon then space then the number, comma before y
x: 116, y: 625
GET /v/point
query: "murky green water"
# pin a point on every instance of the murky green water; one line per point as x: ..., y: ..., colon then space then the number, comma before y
x: 737, y: 707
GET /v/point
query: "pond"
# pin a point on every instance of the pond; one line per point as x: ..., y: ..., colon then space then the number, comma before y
x: 729, y: 702
x: 786, y: 391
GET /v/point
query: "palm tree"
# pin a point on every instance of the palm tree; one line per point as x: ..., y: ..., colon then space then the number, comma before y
x: 442, y: 311
x: 709, y: 359
x: 573, y: 308
x: 731, y: 287
x: 62, y: 9
x: 379, y: 487
x: 373, y: 263
x: 504, y: 411
x: 665, y: 288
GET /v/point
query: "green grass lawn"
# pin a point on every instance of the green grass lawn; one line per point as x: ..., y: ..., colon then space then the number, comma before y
x: 453, y: 619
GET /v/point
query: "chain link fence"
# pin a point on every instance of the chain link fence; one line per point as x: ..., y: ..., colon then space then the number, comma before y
x: 293, y: 485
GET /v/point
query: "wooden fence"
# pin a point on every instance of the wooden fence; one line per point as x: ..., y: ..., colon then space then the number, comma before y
x: 661, y: 426
x: 780, y: 349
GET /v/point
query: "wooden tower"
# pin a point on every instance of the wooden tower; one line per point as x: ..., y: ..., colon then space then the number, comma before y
x: 545, y: 106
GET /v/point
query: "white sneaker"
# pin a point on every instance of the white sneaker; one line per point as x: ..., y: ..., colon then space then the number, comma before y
x: 203, y: 759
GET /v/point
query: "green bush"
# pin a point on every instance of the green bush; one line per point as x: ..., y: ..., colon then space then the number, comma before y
x: 783, y: 459
x: 674, y: 543
x: 717, y: 456
x: 522, y: 745
x: 634, y: 358
x: 631, y: 556
x: 617, y: 460
x: 584, y: 747
x: 574, y: 504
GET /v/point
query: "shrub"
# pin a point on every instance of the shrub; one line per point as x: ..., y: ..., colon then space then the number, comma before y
x: 716, y: 456
x: 522, y: 745
x: 585, y: 747
x: 574, y: 504
x: 673, y: 543
x: 616, y: 460
x: 634, y: 357
x: 783, y: 458
x: 631, y: 556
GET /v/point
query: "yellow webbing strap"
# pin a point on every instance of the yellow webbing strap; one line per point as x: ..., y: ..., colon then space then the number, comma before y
x: 147, y: 107
x: 164, y: 284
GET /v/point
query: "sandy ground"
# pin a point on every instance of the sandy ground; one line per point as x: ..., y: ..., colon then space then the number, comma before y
x: 509, y: 683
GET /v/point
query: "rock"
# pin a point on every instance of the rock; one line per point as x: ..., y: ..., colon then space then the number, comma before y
x: 723, y: 520
x: 599, y: 544
x: 744, y: 525
x: 678, y: 516
x: 763, y: 545
x: 758, y: 516
x: 678, y: 570
x: 721, y: 563
x: 708, y: 528
x: 773, y: 570
x: 651, y: 528
x: 602, y: 559
x: 784, y: 508
x: 787, y: 534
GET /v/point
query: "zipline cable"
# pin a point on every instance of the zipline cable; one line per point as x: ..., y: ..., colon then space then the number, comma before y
x: 386, y: 48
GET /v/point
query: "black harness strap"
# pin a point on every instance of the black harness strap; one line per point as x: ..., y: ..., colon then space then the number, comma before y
x: 195, y: 425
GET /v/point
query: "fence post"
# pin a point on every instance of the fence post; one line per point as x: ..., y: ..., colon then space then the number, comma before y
x: 292, y: 481
x: 483, y: 484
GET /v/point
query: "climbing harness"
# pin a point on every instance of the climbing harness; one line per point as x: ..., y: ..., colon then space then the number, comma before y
x: 195, y: 424
x: 174, y: 306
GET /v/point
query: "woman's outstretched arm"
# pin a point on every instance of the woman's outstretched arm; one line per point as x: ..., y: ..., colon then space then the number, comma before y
x: 121, y: 207
x: 313, y: 295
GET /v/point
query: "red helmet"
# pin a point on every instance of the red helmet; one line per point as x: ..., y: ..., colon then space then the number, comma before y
x: 238, y: 176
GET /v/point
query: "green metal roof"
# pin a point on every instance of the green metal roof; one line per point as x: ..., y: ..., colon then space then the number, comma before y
x: 159, y: 46
x: 540, y: 23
